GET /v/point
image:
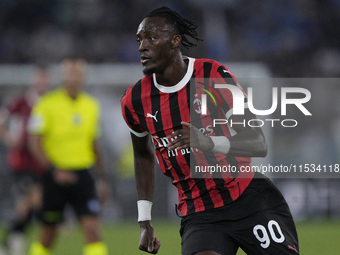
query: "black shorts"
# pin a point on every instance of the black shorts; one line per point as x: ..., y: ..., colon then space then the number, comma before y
x: 259, y: 222
x: 81, y: 196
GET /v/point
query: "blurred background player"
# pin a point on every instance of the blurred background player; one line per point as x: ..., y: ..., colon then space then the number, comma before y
x: 25, y: 170
x: 65, y: 131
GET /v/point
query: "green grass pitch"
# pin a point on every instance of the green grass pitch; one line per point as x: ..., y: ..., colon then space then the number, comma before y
x: 316, y: 237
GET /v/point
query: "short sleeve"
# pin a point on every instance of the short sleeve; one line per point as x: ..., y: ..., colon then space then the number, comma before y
x: 131, y: 118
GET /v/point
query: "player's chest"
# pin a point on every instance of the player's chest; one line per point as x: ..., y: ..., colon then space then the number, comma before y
x: 163, y: 114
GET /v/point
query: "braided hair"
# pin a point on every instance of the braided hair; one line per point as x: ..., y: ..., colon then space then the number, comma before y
x: 182, y: 26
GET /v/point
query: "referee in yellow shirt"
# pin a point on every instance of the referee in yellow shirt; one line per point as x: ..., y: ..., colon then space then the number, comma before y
x: 64, y: 128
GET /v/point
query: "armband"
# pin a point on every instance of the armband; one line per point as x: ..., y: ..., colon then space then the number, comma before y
x: 221, y: 144
x: 144, y: 210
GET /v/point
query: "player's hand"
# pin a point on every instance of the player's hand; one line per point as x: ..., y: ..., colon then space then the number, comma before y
x: 63, y: 177
x: 148, y: 242
x: 189, y: 136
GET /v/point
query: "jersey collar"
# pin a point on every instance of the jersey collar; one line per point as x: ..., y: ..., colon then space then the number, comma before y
x: 179, y: 85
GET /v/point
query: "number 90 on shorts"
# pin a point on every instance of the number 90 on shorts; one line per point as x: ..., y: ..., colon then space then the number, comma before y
x: 265, y: 235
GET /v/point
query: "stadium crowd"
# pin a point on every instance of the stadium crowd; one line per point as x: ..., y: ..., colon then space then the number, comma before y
x: 295, y: 38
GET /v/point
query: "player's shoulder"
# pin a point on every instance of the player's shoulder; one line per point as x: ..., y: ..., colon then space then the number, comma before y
x: 212, y: 68
x: 202, y: 61
x: 128, y: 92
x: 133, y: 90
x: 89, y: 102
x: 50, y: 96
x: 48, y: 101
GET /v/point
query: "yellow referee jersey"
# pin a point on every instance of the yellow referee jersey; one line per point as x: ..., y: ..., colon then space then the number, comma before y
x: 69, y: 128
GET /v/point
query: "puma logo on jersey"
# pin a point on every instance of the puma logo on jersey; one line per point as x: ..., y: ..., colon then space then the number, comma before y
x: 152, y: 116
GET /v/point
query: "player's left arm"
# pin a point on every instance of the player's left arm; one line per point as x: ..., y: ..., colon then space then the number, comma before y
x: 247, y: 142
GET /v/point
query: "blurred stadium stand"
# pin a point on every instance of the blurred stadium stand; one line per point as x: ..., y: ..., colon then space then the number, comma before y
x: 295, y: 38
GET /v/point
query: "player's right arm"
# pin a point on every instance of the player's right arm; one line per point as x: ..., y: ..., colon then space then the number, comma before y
x: 145, y: 181
x: 144, y: 159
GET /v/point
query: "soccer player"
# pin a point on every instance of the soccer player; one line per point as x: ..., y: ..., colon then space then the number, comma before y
x: 219, y: 214
x: 64, y: 128
x: 26, y: 171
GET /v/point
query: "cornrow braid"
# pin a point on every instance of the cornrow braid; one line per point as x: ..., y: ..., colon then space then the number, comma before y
x: 184, y: 27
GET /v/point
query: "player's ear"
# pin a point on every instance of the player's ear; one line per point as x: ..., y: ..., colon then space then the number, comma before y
x: 176, y: 41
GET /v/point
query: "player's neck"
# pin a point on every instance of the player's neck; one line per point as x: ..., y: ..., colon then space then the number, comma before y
x: 174, y: 72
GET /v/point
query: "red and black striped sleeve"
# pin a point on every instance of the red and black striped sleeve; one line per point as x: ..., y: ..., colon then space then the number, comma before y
x: 129, y: 112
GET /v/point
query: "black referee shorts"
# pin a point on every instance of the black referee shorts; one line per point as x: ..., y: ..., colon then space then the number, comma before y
x: 81, y: 196
x: 259, y: 222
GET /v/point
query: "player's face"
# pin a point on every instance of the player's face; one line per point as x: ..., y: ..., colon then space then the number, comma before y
x: 73, y: 73
x: 154, y: 39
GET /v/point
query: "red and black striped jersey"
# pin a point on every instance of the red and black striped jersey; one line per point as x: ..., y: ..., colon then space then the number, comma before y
x: 20, y: 158
x: 150, y: 108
